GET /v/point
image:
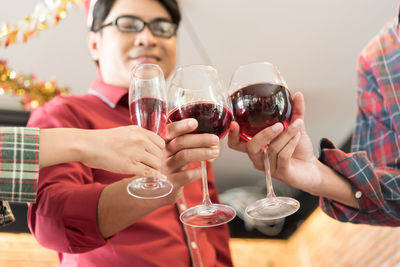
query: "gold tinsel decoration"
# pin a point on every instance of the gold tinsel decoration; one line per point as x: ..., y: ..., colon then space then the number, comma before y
x: 46, y: 13
x: 33, y: 93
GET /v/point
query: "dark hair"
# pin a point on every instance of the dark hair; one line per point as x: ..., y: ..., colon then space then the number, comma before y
x: 102, y: 9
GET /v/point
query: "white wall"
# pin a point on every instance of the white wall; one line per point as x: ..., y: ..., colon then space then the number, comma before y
x: 315, y: 44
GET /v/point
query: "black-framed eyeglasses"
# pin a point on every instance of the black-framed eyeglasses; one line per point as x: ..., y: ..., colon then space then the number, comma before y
x: 158, y: 27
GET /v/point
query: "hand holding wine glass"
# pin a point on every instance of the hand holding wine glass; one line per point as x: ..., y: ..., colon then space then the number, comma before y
x: 147, y: 106
x: 195, y: 91
x: 290, y: 151
x: 260, y: 99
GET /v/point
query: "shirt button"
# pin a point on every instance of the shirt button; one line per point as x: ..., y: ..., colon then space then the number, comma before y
x: 193, y: 244
x: 358, y: 194
x: 183, y: 206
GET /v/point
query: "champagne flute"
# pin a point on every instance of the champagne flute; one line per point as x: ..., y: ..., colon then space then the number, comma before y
x: 260, y: 98
x: 195, y: 91
x: 148, y: 108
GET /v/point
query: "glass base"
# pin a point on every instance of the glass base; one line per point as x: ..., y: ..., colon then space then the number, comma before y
x: 149, y: 187
x: 207, y: 216
x: 272, y: 208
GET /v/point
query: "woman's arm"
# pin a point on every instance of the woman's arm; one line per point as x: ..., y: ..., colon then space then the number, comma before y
x: 127, y: 150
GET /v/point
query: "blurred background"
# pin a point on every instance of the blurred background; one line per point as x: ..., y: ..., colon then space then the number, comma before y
x: 314, y: 43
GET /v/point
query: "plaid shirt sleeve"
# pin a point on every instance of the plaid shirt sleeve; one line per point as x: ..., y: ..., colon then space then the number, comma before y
x: 19, y: 168
x: 373, y: 169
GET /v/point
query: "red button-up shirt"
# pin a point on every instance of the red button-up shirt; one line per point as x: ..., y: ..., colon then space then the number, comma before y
x: 64, y: 216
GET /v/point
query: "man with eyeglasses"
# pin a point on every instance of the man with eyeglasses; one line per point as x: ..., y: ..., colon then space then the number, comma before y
x: 86, y: 214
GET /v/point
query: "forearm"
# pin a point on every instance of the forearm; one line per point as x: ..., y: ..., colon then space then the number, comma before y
x: 118, y: 210
x: 334, y: 186
x: 60, y: 145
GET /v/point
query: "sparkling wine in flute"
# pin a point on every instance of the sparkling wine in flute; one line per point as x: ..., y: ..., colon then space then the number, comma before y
x: 148, y: 108
x: 150, y: 113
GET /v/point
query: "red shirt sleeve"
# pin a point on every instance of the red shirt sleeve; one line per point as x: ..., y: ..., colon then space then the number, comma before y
x: 373, y: 185
x: 64, y: 217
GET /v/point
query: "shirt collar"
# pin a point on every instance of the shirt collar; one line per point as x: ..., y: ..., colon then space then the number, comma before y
x: 109, y: 94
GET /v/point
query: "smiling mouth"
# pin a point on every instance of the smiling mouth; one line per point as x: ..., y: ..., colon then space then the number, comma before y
x: 146, y: 58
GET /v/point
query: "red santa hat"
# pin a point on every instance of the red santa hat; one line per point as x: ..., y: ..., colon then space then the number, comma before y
x: 89, y: 5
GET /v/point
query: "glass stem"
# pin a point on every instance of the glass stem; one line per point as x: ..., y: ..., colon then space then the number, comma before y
x: 206, y: 195
x: 267, y: 171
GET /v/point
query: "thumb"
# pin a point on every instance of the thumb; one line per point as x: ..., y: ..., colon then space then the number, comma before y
x: 234, y: 137
x: 299, y: 106
x: 299, y: 109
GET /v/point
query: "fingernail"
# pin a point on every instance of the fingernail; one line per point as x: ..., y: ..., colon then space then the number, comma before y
x: 215, y: 139
x: 277, y: 127
x: 214, y: 152
x: 296, y: 123
x: 191, y: 123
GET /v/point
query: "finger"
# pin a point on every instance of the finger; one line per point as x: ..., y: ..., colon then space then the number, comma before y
x: 184, y: 157
x: 299, y: 103
x: 234, y: 140
x: 264, y: 138
x: 285, y: 155
x: 153, y: 138
x: 143, y: 158
x: 181, y: 127
x: 185, y: 177
x: 299, y: 106
x: 190, y: 141
x: 156, y: 139
x: 143, y: 170
x: 148, y: 153
x: 280, y: 142
x: 258, y: 160
x: 151, y: 143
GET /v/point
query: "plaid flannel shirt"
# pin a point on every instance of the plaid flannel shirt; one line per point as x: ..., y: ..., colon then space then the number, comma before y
x: 373, y: 169
x: 19, y: 168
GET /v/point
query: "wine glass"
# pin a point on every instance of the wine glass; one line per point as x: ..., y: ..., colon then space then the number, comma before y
x: 148, y: 108
x: 195, y: 91
x: 260, y: 98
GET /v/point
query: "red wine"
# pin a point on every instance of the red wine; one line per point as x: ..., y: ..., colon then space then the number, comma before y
x: 212, y: 118
x: 149, y: 113
x: 260, y: 105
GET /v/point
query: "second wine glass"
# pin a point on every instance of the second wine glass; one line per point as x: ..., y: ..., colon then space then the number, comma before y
x: 148, y: 109
x: 260, y: 98
x: 195, y: 91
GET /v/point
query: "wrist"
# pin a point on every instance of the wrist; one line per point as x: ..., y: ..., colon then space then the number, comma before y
x: 316, y: 185
x: 335, y: 186
x: 78, y: 145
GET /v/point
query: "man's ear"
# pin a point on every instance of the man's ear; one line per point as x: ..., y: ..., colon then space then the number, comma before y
x: 93, y: 44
